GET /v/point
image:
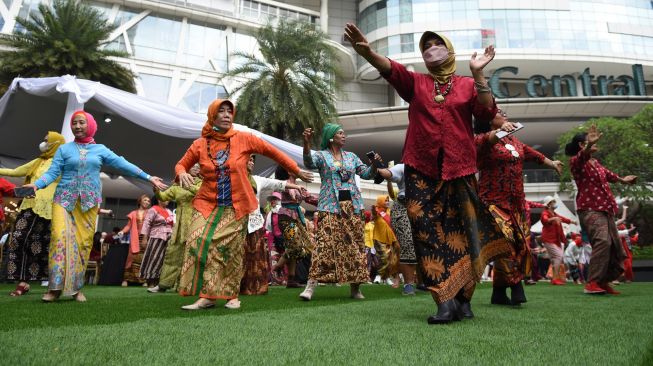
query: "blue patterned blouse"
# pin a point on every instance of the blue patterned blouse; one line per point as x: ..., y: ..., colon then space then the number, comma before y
x: 337, y: 177
x: 79, y: 167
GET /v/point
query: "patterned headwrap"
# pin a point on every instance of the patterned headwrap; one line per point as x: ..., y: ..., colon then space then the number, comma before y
x: 329, y: 130
x: 448, y: 67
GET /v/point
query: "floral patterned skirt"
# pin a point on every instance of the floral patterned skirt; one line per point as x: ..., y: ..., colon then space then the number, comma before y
x: 339, y: 255
x: 454, y: 234
x: 70, y: 247
x: 27, y: 249
x: 213, y: 261
x: 401, y: 227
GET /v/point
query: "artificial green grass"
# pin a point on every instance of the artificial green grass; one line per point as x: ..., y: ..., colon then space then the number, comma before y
x: 559, y: 325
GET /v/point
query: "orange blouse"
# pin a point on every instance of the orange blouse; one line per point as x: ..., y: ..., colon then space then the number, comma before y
x: 241, y: 146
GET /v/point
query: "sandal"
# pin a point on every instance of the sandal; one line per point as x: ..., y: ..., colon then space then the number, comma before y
x: 20, y: 290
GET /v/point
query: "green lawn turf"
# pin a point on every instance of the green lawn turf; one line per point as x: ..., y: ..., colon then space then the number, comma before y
x: 558, y: 326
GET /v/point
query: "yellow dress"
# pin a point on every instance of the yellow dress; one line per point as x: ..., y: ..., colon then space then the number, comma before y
x: 42, y: 203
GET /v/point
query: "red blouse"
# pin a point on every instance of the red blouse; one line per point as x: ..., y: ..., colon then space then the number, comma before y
x: 552, y: 232
x: 502, y: 179
x: 440, y: 139
x: 592, y: 179
x: 528, y: 206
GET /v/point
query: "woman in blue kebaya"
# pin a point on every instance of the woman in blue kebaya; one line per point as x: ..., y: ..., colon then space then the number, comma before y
x: 76, y: 203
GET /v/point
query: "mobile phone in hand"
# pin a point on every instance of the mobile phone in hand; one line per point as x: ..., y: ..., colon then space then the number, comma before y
x: 23, y: 192
x: 370, y: 155
x: 501, y: 134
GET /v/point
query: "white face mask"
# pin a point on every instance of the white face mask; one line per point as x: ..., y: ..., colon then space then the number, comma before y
x: 44, y: 146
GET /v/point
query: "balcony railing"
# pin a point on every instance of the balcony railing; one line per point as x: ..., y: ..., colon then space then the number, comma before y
x: 540, y: 176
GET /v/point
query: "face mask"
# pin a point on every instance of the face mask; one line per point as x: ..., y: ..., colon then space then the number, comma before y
x: 554, y: 207
x: 434, y: 56
x: 43, y: 146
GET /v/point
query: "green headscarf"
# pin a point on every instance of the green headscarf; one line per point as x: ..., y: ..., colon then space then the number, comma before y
x: 329, y: 130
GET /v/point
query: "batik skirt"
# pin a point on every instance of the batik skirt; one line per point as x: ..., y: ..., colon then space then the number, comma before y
x: 509, y: 271
x: 132, y: 273
x: 70, y: 247
x: 339, y: 254
x: 213, y: 262
x: 401, y: 227
x: 607, y: 263
x: 454, y: 235
x: 388, y: 254
x: 256, y: 264
x: 27, y: 250
x: 296, y: 240
x: 153, y: 259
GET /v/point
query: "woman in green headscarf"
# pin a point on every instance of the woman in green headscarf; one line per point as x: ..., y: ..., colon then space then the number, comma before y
x: 440, y: 163
x: 27, y: 250
x: 339, y: 255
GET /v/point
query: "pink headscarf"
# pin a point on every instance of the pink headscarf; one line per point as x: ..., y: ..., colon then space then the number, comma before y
x: 91, y: 128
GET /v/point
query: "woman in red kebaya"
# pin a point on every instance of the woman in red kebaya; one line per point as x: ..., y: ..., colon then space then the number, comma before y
x: 596, y: 208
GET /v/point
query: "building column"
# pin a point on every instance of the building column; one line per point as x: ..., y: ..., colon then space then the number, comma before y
x: 324, y: 15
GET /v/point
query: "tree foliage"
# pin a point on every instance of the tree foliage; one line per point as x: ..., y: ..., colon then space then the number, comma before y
x: 626, y: 148
x: 292, y: 86
x: 66, y: 38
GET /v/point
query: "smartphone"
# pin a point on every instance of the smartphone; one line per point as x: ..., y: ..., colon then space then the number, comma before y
x: 370, y: 155
x: 22, y: 192
x: 501, y: 134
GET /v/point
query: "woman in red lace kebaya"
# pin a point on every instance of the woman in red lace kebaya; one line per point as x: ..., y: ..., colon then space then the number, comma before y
x: 596, y: 208
x: 439, y: 157
x: 501, y: 184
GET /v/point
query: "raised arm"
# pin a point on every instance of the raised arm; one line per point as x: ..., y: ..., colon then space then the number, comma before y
x: 260, y: 146
x: 476, y: 65
x: 190, y: 158
x: 362, y: 47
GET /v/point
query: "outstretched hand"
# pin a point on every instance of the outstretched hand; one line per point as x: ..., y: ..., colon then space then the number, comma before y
x: 557, y: 165
x: 158, y: 183
x: 593, y: 135
x: 305, y: 176
x: 358, y: 41
x: 477, y: 63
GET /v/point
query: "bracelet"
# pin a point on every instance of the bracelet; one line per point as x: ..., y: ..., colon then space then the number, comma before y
x: 481, y: 87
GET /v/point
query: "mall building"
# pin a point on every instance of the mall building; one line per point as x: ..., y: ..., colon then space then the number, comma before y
x: 558, y: 63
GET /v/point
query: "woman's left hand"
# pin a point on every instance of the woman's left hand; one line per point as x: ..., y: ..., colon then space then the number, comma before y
x: 478, y: 63
x: 305, y: 176
x: 158, y: 183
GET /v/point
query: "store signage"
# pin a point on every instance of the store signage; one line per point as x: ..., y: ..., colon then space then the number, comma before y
x: 539, y: 86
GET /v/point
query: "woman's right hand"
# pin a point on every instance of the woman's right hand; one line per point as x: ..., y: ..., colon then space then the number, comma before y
x: 357, y: 40
x: 34, y: 187
x: 186, y: 180
x: 593, y: 135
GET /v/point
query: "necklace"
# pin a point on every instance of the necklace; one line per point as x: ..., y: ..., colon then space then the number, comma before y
x: 82, y: 150
x: 438, y: 97
x: 220, y: 156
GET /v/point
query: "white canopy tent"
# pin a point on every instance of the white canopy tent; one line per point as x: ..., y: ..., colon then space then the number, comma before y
x: 150, y: 134
x: 562, y: 210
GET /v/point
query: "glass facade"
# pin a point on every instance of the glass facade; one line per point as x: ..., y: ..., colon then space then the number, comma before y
x: 584, y: 27
x: 263, y: 12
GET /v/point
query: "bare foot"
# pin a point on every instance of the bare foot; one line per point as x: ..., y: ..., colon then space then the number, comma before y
x: 51, y: 296
x: 79, y: 297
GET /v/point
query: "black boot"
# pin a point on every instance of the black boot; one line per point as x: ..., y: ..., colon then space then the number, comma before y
x: 466, y: 309
x: 499, y: 296
x: 517, y: 294
x: 447, y: 312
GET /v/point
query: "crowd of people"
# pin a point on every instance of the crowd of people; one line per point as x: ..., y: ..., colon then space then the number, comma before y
x: 459, y: 205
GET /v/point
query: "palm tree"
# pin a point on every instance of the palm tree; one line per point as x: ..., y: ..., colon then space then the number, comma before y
x: 292, y: 87
x: 66, y: 38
